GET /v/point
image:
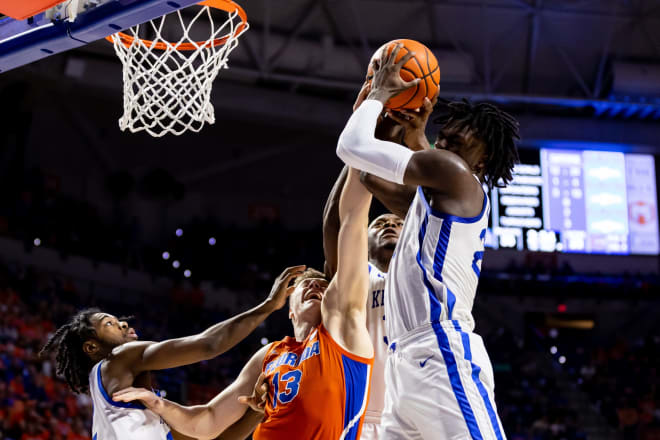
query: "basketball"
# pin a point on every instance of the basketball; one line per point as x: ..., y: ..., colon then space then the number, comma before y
x: 423, y: 65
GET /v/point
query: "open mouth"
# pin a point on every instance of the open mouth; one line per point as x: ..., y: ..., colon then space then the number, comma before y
x: 389, y: 233
x: 313, y: 295
x: 131, y: 334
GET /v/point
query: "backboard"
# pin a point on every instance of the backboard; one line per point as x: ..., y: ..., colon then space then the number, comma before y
x: 72, y: 24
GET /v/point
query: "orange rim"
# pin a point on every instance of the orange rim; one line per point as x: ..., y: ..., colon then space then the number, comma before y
x: 224, y: 5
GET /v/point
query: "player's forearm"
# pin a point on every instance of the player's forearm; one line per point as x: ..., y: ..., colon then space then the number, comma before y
x: 359, y: 148
x: 331, y: 224
x: 352, y: 248
x: 397, y: 198
x: 193, y: 421
x: 223, y: 336
x: 243, y: 428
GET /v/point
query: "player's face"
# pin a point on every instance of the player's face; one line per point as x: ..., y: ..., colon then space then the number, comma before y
x: 384, y: 231
x: 463, y: 143
x: 111, y: 331
x: 305, y: 301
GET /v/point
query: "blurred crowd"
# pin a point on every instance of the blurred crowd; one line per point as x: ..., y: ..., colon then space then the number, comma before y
x: 36, y: 404
x: 621, y: 380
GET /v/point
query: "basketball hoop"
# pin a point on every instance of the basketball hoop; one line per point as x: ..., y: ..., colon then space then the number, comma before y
x: 167, y: 85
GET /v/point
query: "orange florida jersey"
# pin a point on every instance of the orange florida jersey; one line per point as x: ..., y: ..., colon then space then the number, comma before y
x: 317, y: 390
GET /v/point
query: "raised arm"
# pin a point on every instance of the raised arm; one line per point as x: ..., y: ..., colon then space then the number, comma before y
x: 396, y: 198
x: 344, y: 304
x: 331, y: 225
x: 204, y: 421
x: 438, y: 169
x: 148, y: 356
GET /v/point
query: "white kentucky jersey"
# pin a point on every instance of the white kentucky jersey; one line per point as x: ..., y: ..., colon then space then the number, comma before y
x: 122, y: 420
x: 376, y: 327
x: 435, y: 269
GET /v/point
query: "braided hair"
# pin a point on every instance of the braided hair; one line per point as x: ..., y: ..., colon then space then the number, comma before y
x: 72, y: 362
x: 496, y: 128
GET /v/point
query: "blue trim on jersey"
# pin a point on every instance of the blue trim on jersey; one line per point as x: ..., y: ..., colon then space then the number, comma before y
x: 438, y: 264
x: 436, y: 307
x: 355, y: 379
x: 169, y: 436
x: 451, y: 302
x: 475, y: 377
x: 478, y: 256
x: 94, y: 437
x: 453, y: 218
x: 109, y: 400
x: 369, y: 265
x: 455, y: 380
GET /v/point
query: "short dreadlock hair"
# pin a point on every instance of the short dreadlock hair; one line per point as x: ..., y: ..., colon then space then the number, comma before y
x: 71, y: 360
x: 496, y: 128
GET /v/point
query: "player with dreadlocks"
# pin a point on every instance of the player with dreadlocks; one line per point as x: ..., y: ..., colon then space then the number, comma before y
x: 439, y: 379
x: 100, y: 354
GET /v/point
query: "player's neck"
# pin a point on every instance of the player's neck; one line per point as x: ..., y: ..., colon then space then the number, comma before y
x: 302, y: 329
x: 382, y: 260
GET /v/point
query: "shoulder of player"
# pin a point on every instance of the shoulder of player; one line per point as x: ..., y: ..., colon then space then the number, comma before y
x: 128, y: 352
x: 374, y: 271
x: 267, y: 351
x: 438, y: 157
x: 441, y: 171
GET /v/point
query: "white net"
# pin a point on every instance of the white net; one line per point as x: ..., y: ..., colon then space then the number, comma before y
x: 168, y: 89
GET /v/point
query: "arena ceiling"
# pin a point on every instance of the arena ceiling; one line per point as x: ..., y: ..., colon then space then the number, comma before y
x: 292, y: 80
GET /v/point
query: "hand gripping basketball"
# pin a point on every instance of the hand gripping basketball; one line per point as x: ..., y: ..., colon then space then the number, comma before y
x: 387, y: 81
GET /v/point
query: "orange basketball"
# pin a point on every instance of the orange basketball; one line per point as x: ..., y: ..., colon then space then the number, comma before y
x: 423, y: 65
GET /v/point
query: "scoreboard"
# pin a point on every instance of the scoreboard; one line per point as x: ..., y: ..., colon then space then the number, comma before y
x: 578, y: 201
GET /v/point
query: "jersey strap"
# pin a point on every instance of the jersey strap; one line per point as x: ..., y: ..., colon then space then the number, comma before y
x: 133, y: 405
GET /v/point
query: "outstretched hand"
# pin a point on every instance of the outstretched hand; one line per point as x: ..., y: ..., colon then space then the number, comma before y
x: 387, y: 81
x: 257, y: 401
x: 281, y: 289
x: 147, y: 397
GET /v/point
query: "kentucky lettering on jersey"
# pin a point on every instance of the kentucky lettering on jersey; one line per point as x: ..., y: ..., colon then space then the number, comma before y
x: 377, y: 298
x: 376, y: 328
x: 434, y: 274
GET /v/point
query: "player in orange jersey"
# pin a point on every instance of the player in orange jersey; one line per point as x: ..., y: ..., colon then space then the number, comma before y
x: 319, y: 379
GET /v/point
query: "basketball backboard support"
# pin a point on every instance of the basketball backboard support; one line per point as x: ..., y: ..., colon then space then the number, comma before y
x: 73, y: 24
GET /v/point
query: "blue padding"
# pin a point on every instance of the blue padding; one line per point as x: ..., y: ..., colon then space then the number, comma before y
x: 59, y: 36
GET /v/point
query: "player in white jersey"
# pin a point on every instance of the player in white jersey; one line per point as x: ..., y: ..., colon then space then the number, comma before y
x: 439, y: 380
x: 99, y: 353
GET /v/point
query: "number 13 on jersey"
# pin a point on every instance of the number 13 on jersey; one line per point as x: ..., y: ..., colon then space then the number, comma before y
x: 289, y: 383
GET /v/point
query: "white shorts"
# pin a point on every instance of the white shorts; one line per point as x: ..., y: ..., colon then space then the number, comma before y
x: 372, y: 431
x: 439, y: 385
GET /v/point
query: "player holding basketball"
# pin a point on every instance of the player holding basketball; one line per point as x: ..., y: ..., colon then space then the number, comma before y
x: 439, y: 377
x: 319, y: 379
x: 99, y: 353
